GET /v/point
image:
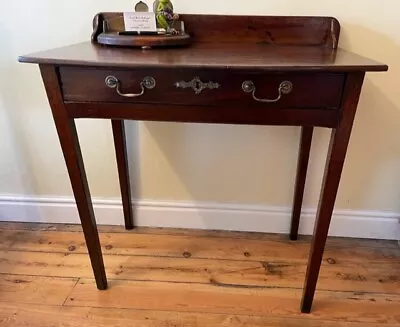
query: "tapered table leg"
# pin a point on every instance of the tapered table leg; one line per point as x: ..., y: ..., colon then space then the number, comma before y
x: 333, y: 170
x: 302, y: 165
x: 118, y: 128
x: 73, y: 157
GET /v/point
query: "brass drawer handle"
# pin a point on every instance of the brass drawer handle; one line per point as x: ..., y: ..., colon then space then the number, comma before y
x: 114, y: 83
x: 197, y: 85
x: 284, y: 88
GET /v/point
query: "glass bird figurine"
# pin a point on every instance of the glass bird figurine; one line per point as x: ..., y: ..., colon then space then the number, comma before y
x: 165, y: 16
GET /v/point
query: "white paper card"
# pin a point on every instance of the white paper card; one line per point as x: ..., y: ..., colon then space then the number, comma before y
x: 140, y: 21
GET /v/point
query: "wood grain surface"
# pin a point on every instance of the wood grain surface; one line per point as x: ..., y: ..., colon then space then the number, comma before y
x: 143, y: 40
x: 332, y: 241
x: 68, y: 137
x: 358, y: 276
x: 162, y: 277
x: 338, y: 144
x: 235, y: 300
x: 309, y: 31
x: 199, y: 247
x: 203, y: 55
x: 240, y: 42
x: 310, y: 90
x: 49, y: 316
x: 121, y: 155
x: 252, y: 115
x: 301, y: 175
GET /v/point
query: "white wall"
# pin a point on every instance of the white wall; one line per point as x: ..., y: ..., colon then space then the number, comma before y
x: 250, y: 165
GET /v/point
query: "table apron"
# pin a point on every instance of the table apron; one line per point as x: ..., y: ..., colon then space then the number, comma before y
x: 204, y: 114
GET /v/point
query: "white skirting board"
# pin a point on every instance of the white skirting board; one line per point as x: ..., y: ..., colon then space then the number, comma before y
x: 202, y: 215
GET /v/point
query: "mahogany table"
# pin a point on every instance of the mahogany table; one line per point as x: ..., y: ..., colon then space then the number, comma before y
x: 239, y: 70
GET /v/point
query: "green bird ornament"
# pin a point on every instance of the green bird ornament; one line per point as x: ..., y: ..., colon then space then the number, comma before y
x: 165, y: 14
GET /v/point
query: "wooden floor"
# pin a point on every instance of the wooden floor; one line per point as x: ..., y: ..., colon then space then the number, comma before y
x: 166, y: 278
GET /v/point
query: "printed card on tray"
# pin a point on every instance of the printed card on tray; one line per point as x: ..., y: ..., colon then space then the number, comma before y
x: 140, y: 21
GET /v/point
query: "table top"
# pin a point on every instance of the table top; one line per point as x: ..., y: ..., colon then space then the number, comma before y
x: 206, y: 55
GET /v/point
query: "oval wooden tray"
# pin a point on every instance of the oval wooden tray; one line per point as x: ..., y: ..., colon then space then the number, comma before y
x: 150, y: 41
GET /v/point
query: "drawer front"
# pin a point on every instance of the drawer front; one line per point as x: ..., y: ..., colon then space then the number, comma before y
x: 202, y: 87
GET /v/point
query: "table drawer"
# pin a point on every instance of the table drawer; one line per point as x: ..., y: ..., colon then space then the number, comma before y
x: 202, y: 87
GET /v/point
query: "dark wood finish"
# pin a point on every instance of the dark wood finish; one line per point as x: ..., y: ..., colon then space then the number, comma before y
x: 267, y: 50
x: 204, y: 114
x: 118, y: 127
x: 98, y: 22
x: 238, y: 56
x: 73, y: 158
x: 302, y: 165
x: 309, y: 90
x: 239, y: 42
x: 312, y: 31
x: 144, y: 40
x: 330, y: 184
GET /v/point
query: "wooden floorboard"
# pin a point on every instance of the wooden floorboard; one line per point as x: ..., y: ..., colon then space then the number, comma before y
x: 189, y: 246
x: 360, y: 277
x: 357, y: 307
x: 161, y: 277
x: 24, y: 315
x: 50, y: 316
x: 340, y: 241
x: 35, y: 289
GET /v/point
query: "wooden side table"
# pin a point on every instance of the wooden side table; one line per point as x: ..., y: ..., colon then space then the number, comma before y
x: 240, y: 70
